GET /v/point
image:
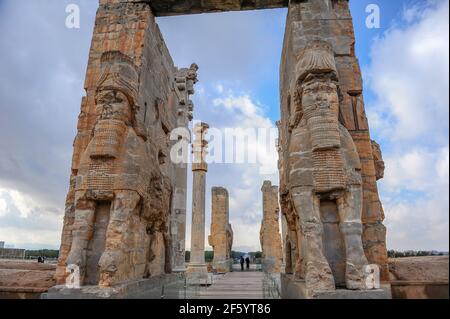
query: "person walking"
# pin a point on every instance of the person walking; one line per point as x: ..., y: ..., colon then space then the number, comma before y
x: 247, y: 261
x: 242, y: 263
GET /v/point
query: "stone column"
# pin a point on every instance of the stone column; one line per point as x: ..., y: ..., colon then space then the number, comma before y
x: 221, y: 238
x: 197, y: 272
x: 270, y: 229
x: 185, y: 79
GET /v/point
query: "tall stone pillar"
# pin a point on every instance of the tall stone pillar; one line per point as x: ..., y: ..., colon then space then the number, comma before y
x: 221, y: 238
x: 185, y: 80
x: 270, y: 230
x: 197, y: 272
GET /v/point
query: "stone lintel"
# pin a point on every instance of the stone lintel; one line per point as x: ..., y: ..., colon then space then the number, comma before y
x: 163, y: 8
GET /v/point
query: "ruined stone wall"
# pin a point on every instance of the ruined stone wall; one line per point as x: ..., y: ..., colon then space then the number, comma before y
x: 121, y: 186
x: 331, y: 21
x: 221, y: 238
x: 270, y: 230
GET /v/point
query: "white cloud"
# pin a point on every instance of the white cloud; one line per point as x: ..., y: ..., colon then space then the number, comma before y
x: 409, y: 73
x: 410, y: 78
x: 219, y: 88
x: 247, y: 113
x: 3, y: 207
x: 417, y: 170
x: 41, y: 84
x: 27, y: 222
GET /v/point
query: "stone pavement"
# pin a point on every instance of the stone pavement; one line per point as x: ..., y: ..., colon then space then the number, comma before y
x: 235, y: 285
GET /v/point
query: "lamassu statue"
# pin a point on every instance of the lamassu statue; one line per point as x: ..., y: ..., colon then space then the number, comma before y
x: 325, y: 183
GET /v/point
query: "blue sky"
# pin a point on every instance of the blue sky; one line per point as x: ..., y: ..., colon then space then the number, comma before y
x: 405, y: 70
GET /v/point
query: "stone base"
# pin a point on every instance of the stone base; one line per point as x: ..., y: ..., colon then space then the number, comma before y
x: 223, y: 267
x: 197, y: 274
x: 169, y: 286
x: 292, y: 289
x: 271, y: 265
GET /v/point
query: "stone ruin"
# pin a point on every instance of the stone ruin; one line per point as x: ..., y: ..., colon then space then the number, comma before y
x: 270, y: 239
x: 328, y: 169
x: 221, y: 238
x: 197, y: 271
x: 126, y: 206
x: 125, y: 210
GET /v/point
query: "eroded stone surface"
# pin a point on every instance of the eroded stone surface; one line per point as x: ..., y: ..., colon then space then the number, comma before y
x: 270, y: 230
x: 117, y: 224
x: 419, y: 277
x: 20, y: 279
x: 432, y: 269
x: 328, y: 164
x: 221, y: 238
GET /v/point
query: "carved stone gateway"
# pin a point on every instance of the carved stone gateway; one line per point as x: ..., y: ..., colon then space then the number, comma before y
x: 221, y: 238
x: 270, y: 238
x: 125, y: 211
x: 185, y: 80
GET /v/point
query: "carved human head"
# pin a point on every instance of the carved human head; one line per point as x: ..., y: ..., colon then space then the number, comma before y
x: 320, y: 95
x: 113, y: 104
x: 317, y: 83
x: 116, y: 91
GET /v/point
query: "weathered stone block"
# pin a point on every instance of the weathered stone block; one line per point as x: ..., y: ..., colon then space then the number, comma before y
x: 270, y: 232
x: 221, y: 238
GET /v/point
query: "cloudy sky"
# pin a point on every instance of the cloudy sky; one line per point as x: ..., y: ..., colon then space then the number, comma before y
x: 405, y: 66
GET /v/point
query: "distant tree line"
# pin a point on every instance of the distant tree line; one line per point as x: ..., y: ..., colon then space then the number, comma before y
x: 209, y: 255
x: 414, y: 253
x: 47, y: 253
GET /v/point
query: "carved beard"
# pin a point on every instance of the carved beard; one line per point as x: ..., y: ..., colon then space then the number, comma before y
x: 323, y: 126
x: 113, y: 105
x: 107, y: 113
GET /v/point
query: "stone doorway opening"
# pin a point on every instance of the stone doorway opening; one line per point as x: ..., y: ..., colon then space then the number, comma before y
x: 96, y: 245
